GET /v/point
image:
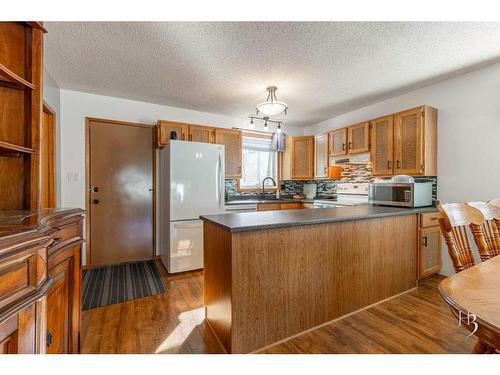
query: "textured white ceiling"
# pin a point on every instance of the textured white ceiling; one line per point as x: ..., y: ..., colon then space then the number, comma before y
x: 322, y: 69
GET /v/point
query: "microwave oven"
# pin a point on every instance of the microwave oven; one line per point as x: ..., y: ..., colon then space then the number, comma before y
x: 401, y: 194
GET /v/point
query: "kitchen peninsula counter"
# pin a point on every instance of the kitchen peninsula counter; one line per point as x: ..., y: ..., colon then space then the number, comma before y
x: 272, y: 275
x: 239, y: 222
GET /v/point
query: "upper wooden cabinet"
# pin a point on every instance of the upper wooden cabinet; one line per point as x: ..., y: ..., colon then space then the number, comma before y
x: 338, y: 142
x: 382, y: 132
x: 167, y: 130
x: 231, y: 139
x: 405, y: 143
x: 298, y: 158
x: 415, y: 142
x: 321, y: 156
x: 358, y: 138
x: 199, y: 133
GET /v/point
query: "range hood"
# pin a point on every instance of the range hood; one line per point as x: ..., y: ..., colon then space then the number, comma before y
x: 352, y: 159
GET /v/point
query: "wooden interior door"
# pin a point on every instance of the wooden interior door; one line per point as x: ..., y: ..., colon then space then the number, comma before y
x: 201, y: 134
x: 47, y: 159
x: 382, y: 144
x: 302, y: 157
x: 338, y: 142
x: 321, y: 156
x: 121, y: 192
x: 408, y: 145
x: 358, y: 138
x: 231, y: 139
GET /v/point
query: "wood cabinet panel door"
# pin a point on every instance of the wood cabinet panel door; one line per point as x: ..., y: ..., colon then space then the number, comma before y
x: 358, y: 138
x: 429, y: 251
x: 382, y: 144
x: 201, y: 134
x: 168, y: 130
x: 338, y: 142
x: 321, y: 156
x: 408, y: 146
x: 58, y: 309
x: 303, y: 157
x: 231, y: 139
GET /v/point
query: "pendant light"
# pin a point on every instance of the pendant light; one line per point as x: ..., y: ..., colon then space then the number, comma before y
x: 271, y: 107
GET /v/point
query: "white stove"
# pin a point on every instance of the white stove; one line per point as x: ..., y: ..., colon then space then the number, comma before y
x: 348, y: 194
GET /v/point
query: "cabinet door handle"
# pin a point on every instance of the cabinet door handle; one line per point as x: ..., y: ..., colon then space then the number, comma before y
x: 389, y: 164
x: 95, y: 201
x: 49, y: 337
x: 425, y: 241
x: 350, y: 145
x: 343, y: 146
x: 398, y: 164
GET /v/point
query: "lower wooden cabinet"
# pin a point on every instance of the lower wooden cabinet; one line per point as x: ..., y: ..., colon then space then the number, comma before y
x: 40, y: 282
x: 429, y: 245
x: 279, y: 206
x: 64, y: 297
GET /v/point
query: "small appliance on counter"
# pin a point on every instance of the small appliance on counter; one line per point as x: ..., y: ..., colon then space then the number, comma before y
x: 309, y: 190
x: 401, y: 191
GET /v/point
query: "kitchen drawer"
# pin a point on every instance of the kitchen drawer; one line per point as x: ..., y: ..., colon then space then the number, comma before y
x: 268, y: 207
x: 65, y: 233
x: 429, y: 219
x: 291, y: 206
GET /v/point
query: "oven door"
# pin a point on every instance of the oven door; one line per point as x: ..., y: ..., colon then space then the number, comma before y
x: 391, y: 194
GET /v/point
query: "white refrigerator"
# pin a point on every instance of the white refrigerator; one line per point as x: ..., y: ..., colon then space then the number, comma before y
x: 192, y: 184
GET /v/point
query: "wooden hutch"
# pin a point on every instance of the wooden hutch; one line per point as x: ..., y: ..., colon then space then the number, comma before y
x: 40, y: 271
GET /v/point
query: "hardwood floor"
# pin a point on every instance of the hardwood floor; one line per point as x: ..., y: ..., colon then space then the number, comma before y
x: 416, y: 322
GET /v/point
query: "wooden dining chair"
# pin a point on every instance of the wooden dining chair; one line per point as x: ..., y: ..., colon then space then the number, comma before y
x: 491, y: 237
x: 454, y: 220
x: 496, y: 203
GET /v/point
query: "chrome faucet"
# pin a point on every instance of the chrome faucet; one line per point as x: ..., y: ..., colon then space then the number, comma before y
x: 264, y: 182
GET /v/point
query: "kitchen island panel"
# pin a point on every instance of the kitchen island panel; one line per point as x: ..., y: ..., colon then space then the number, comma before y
x: 287, y: 280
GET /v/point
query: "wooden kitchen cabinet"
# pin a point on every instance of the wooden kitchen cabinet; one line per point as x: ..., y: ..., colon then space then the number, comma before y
x: 298, y: 158
x: 279, y: 206
x: 429, y: 245
x: 358, y: 138
x: 338, y: 142
x: 64, y: 297
x: 405, y: 143
x: 231, y: 139
x: 415, y: 142
x: 382, y: 145
x: 198, y: 133
x: 321, y: 156
x: 166, y: 130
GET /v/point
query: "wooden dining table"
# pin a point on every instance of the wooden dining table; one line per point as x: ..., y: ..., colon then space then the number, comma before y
x: 474, y: 298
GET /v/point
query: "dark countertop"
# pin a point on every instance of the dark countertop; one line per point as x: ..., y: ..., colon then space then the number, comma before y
x: 247, y: 221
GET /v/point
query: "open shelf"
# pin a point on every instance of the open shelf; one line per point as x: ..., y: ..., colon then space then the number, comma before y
x: 9, y: 149
x: 10, y: 79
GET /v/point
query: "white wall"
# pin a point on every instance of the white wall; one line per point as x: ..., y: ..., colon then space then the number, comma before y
x: 51, y: 96
x: 468, y: 134
x: 76, y: 106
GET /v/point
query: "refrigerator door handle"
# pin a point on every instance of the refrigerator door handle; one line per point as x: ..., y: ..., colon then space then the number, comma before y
x: 219, y: 180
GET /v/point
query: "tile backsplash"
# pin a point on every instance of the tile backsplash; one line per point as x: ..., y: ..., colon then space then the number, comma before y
x: 350, y: 173
x: 356, y: 173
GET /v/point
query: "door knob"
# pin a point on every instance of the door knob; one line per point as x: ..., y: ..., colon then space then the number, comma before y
x: 95, y: 201
x: 96, y: 189
x: 49, y: 338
